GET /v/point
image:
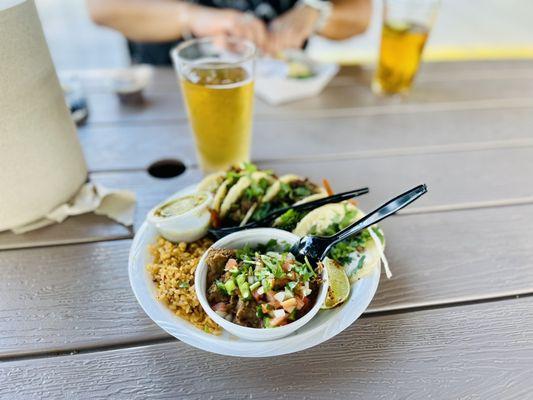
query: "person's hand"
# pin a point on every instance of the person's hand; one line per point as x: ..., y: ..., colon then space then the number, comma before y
x: 206, y: 21
x: 292, y: 29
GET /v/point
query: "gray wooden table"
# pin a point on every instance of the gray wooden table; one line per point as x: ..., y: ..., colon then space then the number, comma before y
x: 455, y: 321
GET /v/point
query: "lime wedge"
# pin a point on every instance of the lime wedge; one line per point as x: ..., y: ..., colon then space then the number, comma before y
x: 339, y: 284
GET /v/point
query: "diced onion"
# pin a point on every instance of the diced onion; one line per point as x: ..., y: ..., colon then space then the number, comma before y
x: 261, y: 290
x: 250, y: 279
x: 279, y: 313
x: 280, y: 296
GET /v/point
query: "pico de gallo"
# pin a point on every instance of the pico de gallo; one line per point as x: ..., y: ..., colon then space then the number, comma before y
x: 260, y: 287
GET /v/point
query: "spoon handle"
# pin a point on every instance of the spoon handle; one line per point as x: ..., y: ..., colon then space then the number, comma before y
x: 377, y: 215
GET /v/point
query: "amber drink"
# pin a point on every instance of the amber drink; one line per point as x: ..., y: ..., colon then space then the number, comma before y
x: 218, y: 93
x: 405, y: 30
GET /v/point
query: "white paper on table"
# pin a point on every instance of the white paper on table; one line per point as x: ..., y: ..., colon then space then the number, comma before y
x: 273, y: 86
x: 118, y: 205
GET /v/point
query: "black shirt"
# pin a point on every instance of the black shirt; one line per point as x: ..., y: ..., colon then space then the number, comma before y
x: 159, y: 53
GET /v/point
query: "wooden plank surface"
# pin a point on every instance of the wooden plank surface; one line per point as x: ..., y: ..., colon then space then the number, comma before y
x: 73, y: 297
x: 473, y: 351
x: 79, y: 229
x: 347, y: 95
x: 452, y: 178
x: 464, y: 131
x: 136, y: 147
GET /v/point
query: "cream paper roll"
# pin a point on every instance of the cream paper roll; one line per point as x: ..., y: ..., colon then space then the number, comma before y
x: 41, y: 161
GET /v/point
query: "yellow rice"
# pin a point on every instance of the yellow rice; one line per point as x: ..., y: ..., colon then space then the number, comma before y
x: 172, y: 271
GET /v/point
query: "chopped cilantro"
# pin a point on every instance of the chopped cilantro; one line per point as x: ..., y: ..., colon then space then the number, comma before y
x: 259, y: 312
x: 249, y: 167
x: 261, y: 211
x: 360, y: 262
x: 256, y: 189
x: 289, y: 220
x: 302, y: 191
x: 221, y: 287
x: 245, y: 253
x: 342, y: 252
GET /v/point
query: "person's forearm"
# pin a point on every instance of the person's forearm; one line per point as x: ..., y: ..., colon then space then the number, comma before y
x: 348, y: 18
x: 142, y: 20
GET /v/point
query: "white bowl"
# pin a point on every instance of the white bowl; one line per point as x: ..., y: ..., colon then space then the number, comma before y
x: 238, y: 240
x: 186, y: 227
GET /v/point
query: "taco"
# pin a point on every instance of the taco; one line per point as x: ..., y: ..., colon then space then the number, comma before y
x: 243, y: 198
x: 291, y: 190
x: 220, y: 183
x: 360, y: 254
x: 211, y: 182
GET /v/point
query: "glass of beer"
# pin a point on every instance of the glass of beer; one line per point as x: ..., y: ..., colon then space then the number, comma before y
x: 216, y: 76
x: 406, y: 26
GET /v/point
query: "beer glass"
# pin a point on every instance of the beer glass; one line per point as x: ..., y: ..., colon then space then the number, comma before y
x: 405, y: 29
x: 216, y: 76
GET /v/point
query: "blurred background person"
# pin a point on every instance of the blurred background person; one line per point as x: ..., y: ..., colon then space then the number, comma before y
x: 153, y: 27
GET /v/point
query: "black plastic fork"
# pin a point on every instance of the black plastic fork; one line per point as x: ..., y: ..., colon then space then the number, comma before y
x: 219, y: 233
x: 315, y: 248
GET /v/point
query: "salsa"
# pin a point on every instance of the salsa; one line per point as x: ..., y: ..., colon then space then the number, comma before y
x: 261, y: 287
x: 180, y: 206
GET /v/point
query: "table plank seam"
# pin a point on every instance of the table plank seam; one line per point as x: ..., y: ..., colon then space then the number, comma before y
x: 169, y: 339
x: 370, y: 154
x: 449, y: 303
x: 522, y: 201
x: 68, y: 242
x: 462, y: 105
x: 348, y: 81
x: 407, y: 151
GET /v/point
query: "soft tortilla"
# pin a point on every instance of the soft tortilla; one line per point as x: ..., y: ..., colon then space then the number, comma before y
x: 317, y: 196
x: 211, y: 182
x: 275, y: 188
x: 220, y: 195
x: 320, y: 218
x: 237, y: 190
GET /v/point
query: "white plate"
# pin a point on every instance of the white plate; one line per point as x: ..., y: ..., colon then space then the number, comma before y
x: 272, y: 85
x: 325, y: 325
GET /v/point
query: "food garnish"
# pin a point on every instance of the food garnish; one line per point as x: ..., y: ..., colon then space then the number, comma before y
x: 339, y: 284
x: 328, y: 188
x: 260, y: 287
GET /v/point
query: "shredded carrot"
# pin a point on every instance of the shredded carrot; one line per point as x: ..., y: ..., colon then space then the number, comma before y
x: 327, y: 186
x: 354, y: 202
x: 215, y: 219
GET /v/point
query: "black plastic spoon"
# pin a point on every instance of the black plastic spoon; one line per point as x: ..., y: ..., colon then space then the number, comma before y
x: 270, y: 217
x: 315, y: 248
